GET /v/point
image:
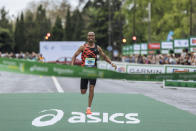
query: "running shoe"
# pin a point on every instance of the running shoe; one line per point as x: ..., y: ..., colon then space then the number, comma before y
x: 88, y: 111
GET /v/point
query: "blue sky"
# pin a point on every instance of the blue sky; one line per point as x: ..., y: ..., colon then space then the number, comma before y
x: 16, y: 6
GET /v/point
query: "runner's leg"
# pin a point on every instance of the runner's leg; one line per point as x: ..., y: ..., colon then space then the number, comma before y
x: 91, y: 94
x: 83, y: 85
x: 91, y: 91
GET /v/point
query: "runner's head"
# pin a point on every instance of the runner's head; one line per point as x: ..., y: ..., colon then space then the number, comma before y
x: 91, y: 37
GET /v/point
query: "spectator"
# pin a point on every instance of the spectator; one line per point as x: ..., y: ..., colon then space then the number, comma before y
x: 41, y: 58
x: 172, y: 59
x: 140, y: 59
x: 133, y: 59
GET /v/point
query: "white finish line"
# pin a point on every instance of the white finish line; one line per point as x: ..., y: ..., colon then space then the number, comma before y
x: 57, y: 85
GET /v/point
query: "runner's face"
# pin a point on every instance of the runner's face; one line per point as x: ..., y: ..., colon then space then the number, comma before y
x: 91, y: 37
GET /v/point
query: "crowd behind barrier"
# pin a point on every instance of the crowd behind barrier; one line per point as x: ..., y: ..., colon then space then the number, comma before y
x: 28, y: 56
x: 174, y: 59
x: 184, y: 58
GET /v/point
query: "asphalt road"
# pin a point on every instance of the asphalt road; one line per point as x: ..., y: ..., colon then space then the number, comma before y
x: 182, y: 98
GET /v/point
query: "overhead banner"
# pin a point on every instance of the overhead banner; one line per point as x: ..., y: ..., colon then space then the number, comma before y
x: 144, y: 52
x: 136, y: 52
x: 164, y: 51
x: 192, y: 41
x: 181, y: 43
x: 178, y: 50
x: 151, y: 52
x: 53, y: 50
x: 167, y: 45
x: 192, y: 49
x: 144, y: 46
x: 130, y: 47
x: 136, y: 47
x: 154, y: 46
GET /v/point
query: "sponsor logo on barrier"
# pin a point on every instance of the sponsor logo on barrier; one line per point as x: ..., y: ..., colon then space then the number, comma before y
x: 102, y: 66
x: 21, y: 67
x: 88, y: 72
x: 79, y: 117
x: 121, y: 69
x: 38, y: 68
x: 165, y: 76
x: 180, y: 83
x: 144, y: 70
x: 188, y: 76
x: 63, y: 71
x: 101, y: 74
x: 9, y: 63
x: 12, y: 67
x: 3, y: 66
x: 180, y: 70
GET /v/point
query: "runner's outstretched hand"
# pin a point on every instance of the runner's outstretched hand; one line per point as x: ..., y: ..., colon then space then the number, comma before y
x: 113, y: 65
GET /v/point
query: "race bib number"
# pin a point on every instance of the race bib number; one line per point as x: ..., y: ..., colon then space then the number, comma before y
x: 90, y: 62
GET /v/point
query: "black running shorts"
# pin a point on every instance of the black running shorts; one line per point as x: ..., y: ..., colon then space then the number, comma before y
x: 84, y: 83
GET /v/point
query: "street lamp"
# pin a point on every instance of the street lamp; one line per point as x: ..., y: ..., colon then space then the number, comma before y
x: 47, y: 36
x: 124, y: 40
x: 134, y: 38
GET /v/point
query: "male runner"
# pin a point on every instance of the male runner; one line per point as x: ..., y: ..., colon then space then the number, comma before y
x: 89, y: 58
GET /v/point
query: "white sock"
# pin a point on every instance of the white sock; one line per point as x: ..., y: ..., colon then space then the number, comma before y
x: 88, y: 107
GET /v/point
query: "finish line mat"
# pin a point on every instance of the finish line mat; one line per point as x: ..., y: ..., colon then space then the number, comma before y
x: 111, y: 112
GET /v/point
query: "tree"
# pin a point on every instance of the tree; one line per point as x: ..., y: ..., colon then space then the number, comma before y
x: 165, y: 16
x: 104, y: 17
x: 6, y: 32
x: 57, y: 30
x: 53, y: 8
x: 74, y: 26
x: 6, y: 43
x: 30, y: 31
x: 175, y: 18
x: 117, y: 22
x: 193, y: 18
x: 96, y: 17
x: 68, y: 27
x: 77, y: 26
x: 136, y: 20
x: 43, y: 26
x: 4, y: 21
x: 19, y: 34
